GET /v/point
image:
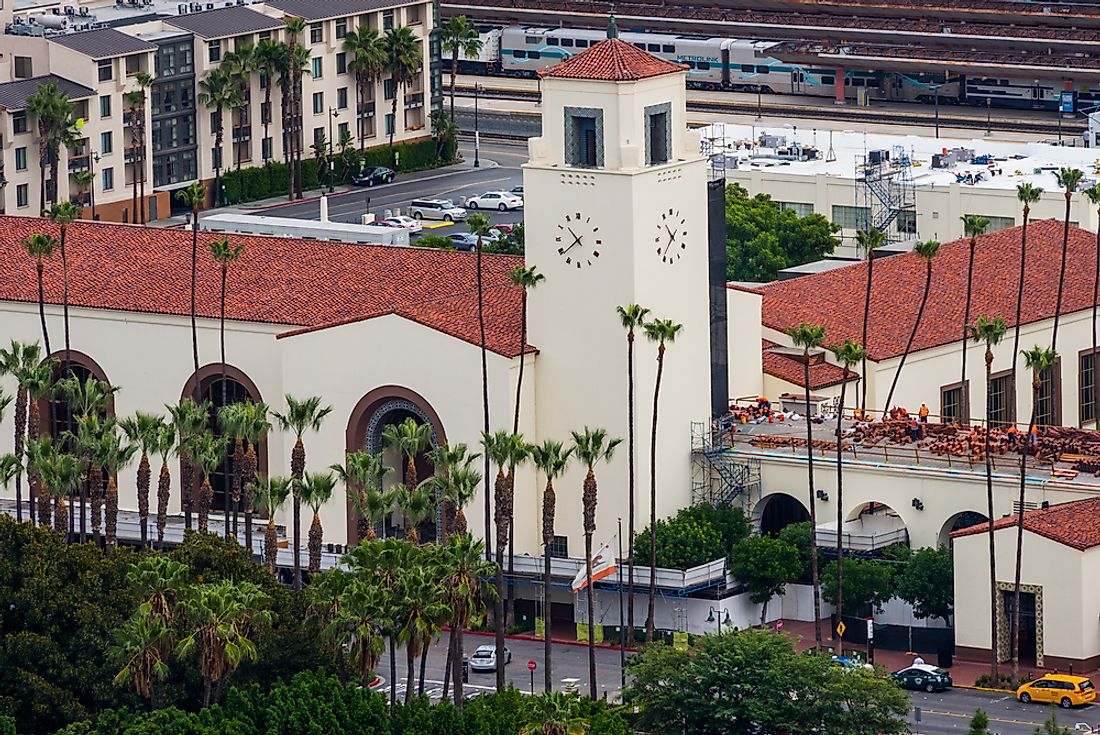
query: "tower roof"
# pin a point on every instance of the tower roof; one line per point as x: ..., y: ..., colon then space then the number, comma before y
x: 613, y: 60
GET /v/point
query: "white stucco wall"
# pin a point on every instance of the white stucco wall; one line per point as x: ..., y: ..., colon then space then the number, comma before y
x: 745, y: 358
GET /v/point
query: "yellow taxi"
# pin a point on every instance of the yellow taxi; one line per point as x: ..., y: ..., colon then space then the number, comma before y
x: 1062, y: 689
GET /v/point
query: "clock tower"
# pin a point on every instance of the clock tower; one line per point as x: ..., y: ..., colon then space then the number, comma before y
x: 618, y: 215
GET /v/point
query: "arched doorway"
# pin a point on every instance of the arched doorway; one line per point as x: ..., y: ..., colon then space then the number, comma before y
x: 384, y: 407
x: 960, y: 520
x: 779, y: 510
x: 872, y: 526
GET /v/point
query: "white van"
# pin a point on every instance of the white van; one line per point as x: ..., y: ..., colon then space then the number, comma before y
x: 443, y: 209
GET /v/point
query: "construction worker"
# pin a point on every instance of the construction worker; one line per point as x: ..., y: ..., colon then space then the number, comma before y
x: 923, y: 413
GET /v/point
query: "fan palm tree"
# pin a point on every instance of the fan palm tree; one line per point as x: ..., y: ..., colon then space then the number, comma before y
x: 1069, y: 179
x: 61, y: 475
x: 362, y: 475
x: 663, y: 332
x: 53, y: 111
x: 144, y: 430
x: 295, y: 63
x: 990, y: 332
x: 1038, y: 360
x: 403, y: 63
x: 11, y: 467
x: 870, y: 241
x: 142, y: 647
x: 591, y: 447
x: 551, y: 458
x: 36, y: 380
x: 20, y: 360
x: 158, y: 580
x: 447, y: 458
x: 164, y: 445
x: 316, y: 490
x: 38, y: 453
x: 415, y: 505
x: 1027, y: 194
x: 86, y: 180
x: 256, y: 428
x: 114, y: 454
x: 225, y: 253
x: 88, y: 401
x: 221, y: 619
x: 1093, y: 193
x: 39, y: 247
x: 194, y: 196
x: 270, y: 494
x: 136, y: 100
x: 445, y: 130
x: 208, y: 453
x: 974, y: 226
x: 459, y: 36
x: 300, y: 415
x: 189, y: 420
x: 479, y: 225
x: 927, y: 251
x: 367, y: 66
x: 422, y: 612
x: 463, y: 487
x: 62, y: 214
x: 218, y: 92
x: 239, y: 65
x: 233, y: 420
x: 358, y: 625
x: 527, y: 279
x: 848, y: 353
x: 463, y: 572
x: 554, y: 713
x: 810, y: 337
x: 408, y: 439
x: 267, y: 58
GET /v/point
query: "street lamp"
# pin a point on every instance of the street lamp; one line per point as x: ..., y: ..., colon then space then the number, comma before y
x: 333, y: 112
x: 718, y: 619
x: 477, y: 132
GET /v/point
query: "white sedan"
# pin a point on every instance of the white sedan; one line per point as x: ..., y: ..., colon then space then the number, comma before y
x: 405, y: 223
x: 485, y: 658
x: 500, y: 200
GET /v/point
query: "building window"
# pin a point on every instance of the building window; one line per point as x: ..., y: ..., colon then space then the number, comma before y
x: 342, y: 98
x: 342, y: 28
x: 387, y: 19
x: 1002, y: 399
x: 799, y: 208
x: 851, y: 218
x: 342, y: 132
x: 315, y: 67
x: 1048, y: 409
x: 265, y: 112
x: 389, y: 89
x: 341, y: 63
x: 214, y: 51
x: 22, y: 195
x: 1086, y: 376
x: 266, y: 148
x: 389, y: 123
x: 998, y: 223
x: 412, y: 15
x: 559, y: 548
x: 21, y: 159
x: 907, y: 222
x: 108, y: 179
x: 658, y: 134
x: 105, y: 106
x: 106, y: 143
x: 584, y: 136
x: 133, y: 65
x: 318, y: 135
x: 106, y: 70
x: 316, y: 32
x: 24, y: 69
x: 318, y: 103
x: 954, y: 403
x: 19, y: 122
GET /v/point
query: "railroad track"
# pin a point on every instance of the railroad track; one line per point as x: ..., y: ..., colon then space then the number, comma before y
x: 854, y: 114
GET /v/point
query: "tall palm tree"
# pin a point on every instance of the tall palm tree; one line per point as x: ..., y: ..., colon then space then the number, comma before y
x: 663, y: 332
x: 40, y: 246
x: 415, y: 505
x: 114, y: 455
x: 591, y: 447
x: 88, y: 442
x: 358, y: 626
x: 62, y: 214
x: 847, y: 353
x: 300, y: 415
x: 225, y: 253
x: 294, y: 28
x: 88, y: 402
x: 1093, y: 193
x: 142, y: 646
x: 39, y: 453
x: 1028, y: 194
x: 1038, y: 360
x: 61, y: 473
x: 459, y: 36
x: 990, y: 332
x: 85, y: 180
x: 194, y: 196
x: 527, y: 279
x: 256, y: 427
x: 463, y: 570
x: 1069, y: 179
x: 11, y: 467
x: 811, y: 337
x: 189, y: 420
x: 403, y: 64
x: 136, y: 114
x: 316, y: 491
x: 362, y: 475
x: 974, y: 226
x: 218, y: 92
x: 633, y: 318
x: 267, y: 59
x: 870, y: 241
x: 447, y: 458
x: 53, y: 112
x: 232, y: 419
x: 551, y: 458
x: 145, y: 430
x: 239, y: 65
x: 164, y: 446
x: 927, y: 251
x: 408, y: 439
x: 422, y: 612
x: 21, y: 361
x: 367, y: 66
x: 270, y: 494
x: 37, y: 381
x: 208, y: 453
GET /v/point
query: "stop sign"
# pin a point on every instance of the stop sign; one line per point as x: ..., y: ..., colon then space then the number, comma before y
x: 531, y: 666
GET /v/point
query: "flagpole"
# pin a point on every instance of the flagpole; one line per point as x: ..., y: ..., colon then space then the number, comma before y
x: 622, y: 627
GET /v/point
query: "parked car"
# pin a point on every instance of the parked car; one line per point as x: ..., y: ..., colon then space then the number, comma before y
x: 1062, y: 689
x: 484, y: 658
x: 517, y: 190
x: 373, y: 175
x: 405, y: 223
x: 923, y: 677
x: 443, y: 209
x: 504, y: 229
x: 463, y: 240
x: 501, y: 200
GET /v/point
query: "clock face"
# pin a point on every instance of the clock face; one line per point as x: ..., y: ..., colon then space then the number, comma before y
x: 671, y: 237
x: 578, y: 240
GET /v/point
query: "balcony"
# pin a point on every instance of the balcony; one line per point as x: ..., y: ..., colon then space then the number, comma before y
x: 242, y: 134
x: 366, y: 109
x: 414, y: 100
x: 79, y: 162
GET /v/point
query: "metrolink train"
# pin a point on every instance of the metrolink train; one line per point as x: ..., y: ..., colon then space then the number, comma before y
x: 747, y: 66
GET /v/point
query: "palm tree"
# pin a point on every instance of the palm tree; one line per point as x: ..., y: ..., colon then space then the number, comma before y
x: 88, y: 401
x: 415, y: 505
x: 463, y: 571
x: 232, y: 419
x: 136, y: 113
x: 60, y: 476
x: 1069, y: 179
x: 114, y: 454
x: 447, y: 458
x: 422, y: 614
x: 554, y: 713
x: 239, y: 65
x: 1028, y: 194
x: 459, y: 36
x: 403, y: 64
x: 39, y: 247
x: 256, y: 428
x: 267, y: 59
x: 141, y: 645
x: 21, y: 361
x: 53, y: 112
x: 927, y: 251
x: 870, y: 241
x: 974, y: 226
x: 270, y: 493
x: 221, y: 618
x: 479, y: 225
x: 664, y: 333
x: 144, y: 430
x: 208, y: 453
x: 551, y: 458
x: 1038, y: 361
x: 39, y: 453
x: 63, y: 213
x: 408, y: 439
x: 158, y: 580
x: 445, y: 131
x: 225, y: 253
x: 194, y: 196
x: 316, y: 490
x: 189, y: 420
x: 990, y: 332
x: 357, y: 626
x: 218, y: 91
x: 11, y: 467
x: 526, y: 278
x: 295, y: 61
x: 164, y: 445
x: 367, y: 66
x: 300, y: 415
x: 591, y: 446
x: 1093, y: 193
x: 362, y: 475
x: 36, y: 380
x: 848, y: 353
x: 811, y: 337
x: 85, y: 180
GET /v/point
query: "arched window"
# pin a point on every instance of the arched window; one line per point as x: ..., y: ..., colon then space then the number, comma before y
x: 57, y: 416
x: 234, y: 393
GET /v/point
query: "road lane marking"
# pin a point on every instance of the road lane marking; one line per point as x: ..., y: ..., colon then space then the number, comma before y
x: 967, y: 716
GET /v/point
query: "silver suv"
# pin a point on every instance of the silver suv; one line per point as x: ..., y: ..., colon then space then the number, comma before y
x: 443, y: 209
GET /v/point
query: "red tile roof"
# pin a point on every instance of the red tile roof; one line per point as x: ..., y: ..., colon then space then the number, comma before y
x: 834, y: 298
x: 612, y: 60
x: 1075, y: 524
x: 822, y: 374
x: 305, y: 284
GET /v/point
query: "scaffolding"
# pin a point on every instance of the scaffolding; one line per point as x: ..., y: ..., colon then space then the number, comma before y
x: 719, y: 475
x: 886, y: 194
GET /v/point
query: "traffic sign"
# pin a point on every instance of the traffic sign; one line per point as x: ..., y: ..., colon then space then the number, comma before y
x: 531, y: 666
x: 840, y: 628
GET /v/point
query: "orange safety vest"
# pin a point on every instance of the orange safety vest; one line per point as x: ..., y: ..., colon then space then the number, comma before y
x: 923, y: 411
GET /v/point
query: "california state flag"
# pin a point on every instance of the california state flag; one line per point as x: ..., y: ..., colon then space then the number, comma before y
x: 604, y: 564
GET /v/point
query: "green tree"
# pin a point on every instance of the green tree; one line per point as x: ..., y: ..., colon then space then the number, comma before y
x: 765, y: 565
x: 141, y: 646
x: 867, y: 583
x: 316, y: 490
x: 367, y: 66
x: 403, y: 63
x: 1027, y: 194
x: 1069, y: 179
x: 1093, y: 194
x: 56, y: 123
x: 848, y: 353
x: 462, y: 574
x: 21, y: 361
x: 218, y: 92
x: 979, y: 723
x: 459, y: 37
x: 423, y: 611
x: 40, y: 247
x: 225, y: 253
x: 270, y: 494
x: 408, y: 439
x: 189, y: 419
x: 554, y: 713
x: 208, y: 453
x: 1051, y: 727
x: 927, y: 252
x: 927, y: 583
x: 551, y: 458
x: 362, y: 475
x: 62, y: 214
x: 762, y: 238
x: 145, y: 431
x: 974, y: 226
x: 193, y: 196
x: 684, y: 542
